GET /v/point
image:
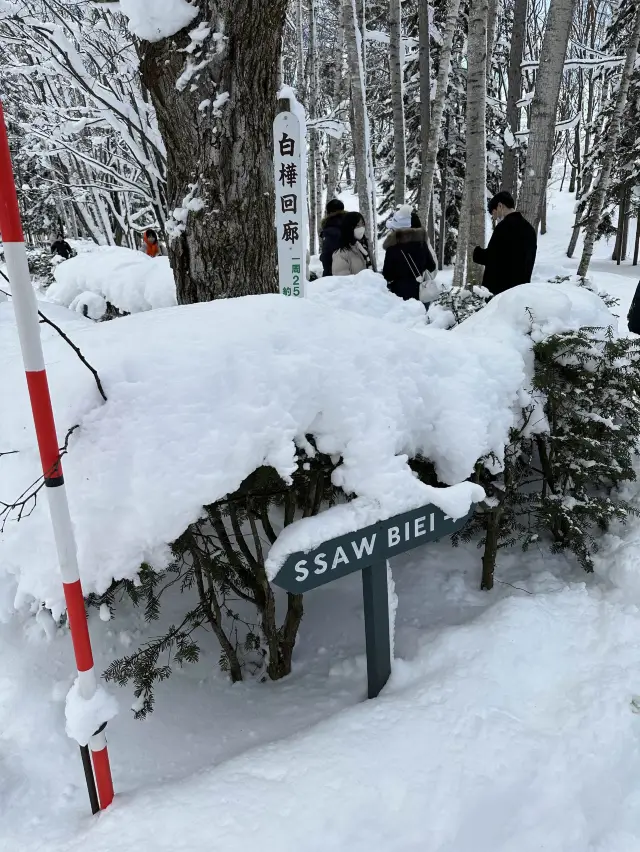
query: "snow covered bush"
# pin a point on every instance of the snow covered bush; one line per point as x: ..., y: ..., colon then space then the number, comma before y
x: 127, y: 281
x: 575, y: 446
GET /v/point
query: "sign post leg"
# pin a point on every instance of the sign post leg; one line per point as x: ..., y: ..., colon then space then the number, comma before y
x: 376, y: 625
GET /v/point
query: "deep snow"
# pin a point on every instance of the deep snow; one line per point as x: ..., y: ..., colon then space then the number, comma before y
x: 509, y: 724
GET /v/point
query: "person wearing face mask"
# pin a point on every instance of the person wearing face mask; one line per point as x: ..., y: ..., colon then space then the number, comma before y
x: 353, y: 255
x: 407, y: 254
x: 509, y: 258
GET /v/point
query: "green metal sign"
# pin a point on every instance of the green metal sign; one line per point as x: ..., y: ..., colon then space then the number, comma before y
x: 355, y: 551
x: 368, y: 550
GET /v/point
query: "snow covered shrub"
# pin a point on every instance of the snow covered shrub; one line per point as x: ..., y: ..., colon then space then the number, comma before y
x: 574, y: 448
x: 455, y: 305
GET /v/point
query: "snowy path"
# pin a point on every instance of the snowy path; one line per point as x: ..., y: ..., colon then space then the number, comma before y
x: 508, y: 725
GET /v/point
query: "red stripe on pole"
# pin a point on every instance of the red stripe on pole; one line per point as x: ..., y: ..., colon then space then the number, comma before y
x: 78, y: 625
x: 45, y: 424
x: 10, y: 224
x: 104, y: 782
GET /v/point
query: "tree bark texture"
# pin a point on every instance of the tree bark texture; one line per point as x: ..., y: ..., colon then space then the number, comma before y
x: 335, y: 145
x: 396, y: 67
x: 476, y: 161
x: 315, y: 185
x: 510, y: 161
x: 544, y: 108
x: 442, y: 84
x: 220, y: 158
x: 424, y: 199
x: 601, y: 188
x: 360, y: 121
x: 492, y: 24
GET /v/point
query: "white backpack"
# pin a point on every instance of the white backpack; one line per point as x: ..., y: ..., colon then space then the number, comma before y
x: 429, y: 288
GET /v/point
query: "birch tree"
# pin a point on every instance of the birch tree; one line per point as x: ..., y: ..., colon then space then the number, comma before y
x: 360, y: 121
x: 600, y: 190
x: 544, y: 109
x: 425, y: 103
x: 476, y: 164
x: 510, y: 161
x: 437, y: 112
x: 396, y: 65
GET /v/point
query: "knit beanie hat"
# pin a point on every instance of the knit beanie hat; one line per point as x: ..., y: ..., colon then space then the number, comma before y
x: 400, y: 219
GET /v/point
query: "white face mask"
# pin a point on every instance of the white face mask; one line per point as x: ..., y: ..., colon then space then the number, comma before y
x: 358, y: 233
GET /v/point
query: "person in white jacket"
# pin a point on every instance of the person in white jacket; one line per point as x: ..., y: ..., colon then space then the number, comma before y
x: 353, y: 255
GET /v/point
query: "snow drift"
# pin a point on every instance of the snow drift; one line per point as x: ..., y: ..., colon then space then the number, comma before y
x: 243, y: 382
x: 129, y: 280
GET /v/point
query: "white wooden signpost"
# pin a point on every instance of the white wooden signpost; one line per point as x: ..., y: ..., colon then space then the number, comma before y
x: 289, y: 147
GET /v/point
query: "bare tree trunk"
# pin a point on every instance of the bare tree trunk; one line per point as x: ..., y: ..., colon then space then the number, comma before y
x: 459, y: 270
x: 625, y: 226
x: 360, y: 122
x: 492, y: 23
x: 544, y: 108
x: 476, y: 162
x: 424, y: 200
x: 543, y: 216
x: 300, y: 64
x: 315, y: 188
x: 510, y: 161
x: 443, y: 196
x: 335, y: 145
x: 396, y: 67
x: 220, y: 161
x: 604, y: 178
x: 636, y: 249
x: 442, y: 83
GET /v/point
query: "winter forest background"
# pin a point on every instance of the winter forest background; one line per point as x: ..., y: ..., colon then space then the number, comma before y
x: 211, y: 427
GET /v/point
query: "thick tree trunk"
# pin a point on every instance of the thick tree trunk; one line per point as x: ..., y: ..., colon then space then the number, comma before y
x: 510, y: 162
x: 442, y: 83
x: 360, y: 122
x: 601, y: 189
x: 220, y: 159
x: 424, y: 200
x: 544, y: 108
x: 476, y: 164
x: 396, y: 67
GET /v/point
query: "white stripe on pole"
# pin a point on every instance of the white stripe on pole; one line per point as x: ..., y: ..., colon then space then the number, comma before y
x: 63, y: 534
x: 25, y: 306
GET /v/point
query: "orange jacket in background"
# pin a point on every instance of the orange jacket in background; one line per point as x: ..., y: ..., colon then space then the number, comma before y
x: 151, y: 249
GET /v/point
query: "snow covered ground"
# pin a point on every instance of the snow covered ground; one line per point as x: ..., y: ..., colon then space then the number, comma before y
x: 509, y: 724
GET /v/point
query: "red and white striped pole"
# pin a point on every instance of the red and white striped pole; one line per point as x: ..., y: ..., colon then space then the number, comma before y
x: 26, y: 310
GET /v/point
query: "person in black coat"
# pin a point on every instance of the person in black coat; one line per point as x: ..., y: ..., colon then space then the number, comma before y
x: 406, y: 253
x: 633, y: 317
x: 330, y: 233
x: 61, y: 247
x: 509, y: 258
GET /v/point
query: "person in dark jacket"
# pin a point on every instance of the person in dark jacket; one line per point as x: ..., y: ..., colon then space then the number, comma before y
x: 509, y: 258
x: 61, y: 247
x: 633, y: 317
x: 331, y: 229
x: 406, y: 253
